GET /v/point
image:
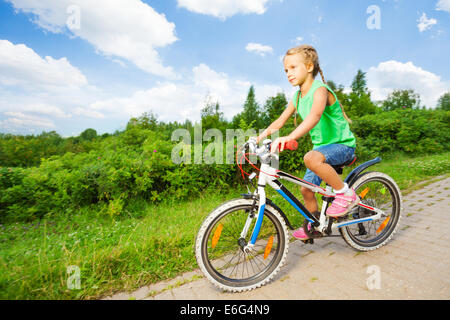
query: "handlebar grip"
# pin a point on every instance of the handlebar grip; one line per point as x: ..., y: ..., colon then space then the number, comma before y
x: 291, y: 145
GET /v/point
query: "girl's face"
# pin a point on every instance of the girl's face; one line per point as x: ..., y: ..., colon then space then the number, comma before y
x: 296, y: 69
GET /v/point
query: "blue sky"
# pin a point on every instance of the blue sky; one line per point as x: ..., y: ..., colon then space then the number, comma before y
x: 66, y: 65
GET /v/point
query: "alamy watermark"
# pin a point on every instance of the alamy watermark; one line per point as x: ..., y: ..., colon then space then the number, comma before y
x: 74, y: 279
x: 374, y: 20
x: 73, y: 22
x: 373, y: 282
x: 219, y: 149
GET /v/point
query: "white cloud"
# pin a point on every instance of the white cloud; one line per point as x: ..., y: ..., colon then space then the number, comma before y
x: 127, y: 29
x: 391, y: 75
x: 21, y: 66
x: 19, y: 119
x: 169, y: 100
x: 258, y: 48
x: 37, y: 91
x: 45, y: 109
x: 179, y: 101
x: 224, y: 9
x: 443, y: 5
x: 89, y: 113
x: 425, y: 23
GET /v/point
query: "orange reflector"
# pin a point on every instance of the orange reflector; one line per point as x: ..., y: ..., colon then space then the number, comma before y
x: 383, y: 225
x: 216, y: 235
x: 268, y: 247
x: 363, y: 193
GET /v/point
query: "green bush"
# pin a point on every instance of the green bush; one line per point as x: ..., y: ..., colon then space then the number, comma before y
x: 134, y: 165
x: 411, y: 131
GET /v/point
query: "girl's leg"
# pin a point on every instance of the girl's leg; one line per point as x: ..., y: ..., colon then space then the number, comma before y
x: 308, y: 196
x: 310, y: 200
x: 319, y: 170
x: 315, y: 161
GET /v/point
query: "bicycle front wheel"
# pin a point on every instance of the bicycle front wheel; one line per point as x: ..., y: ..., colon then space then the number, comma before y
x: 224, y: 256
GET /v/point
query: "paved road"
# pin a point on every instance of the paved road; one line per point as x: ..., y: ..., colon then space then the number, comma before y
x: 414, y: 265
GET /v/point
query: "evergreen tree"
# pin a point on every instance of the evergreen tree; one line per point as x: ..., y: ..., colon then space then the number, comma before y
x: 444, y: 102
x: 251, y: 112
x: 359, y: 84
x: 359, y: 103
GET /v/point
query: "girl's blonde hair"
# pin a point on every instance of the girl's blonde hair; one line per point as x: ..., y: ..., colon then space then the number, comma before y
x: 310, y: 55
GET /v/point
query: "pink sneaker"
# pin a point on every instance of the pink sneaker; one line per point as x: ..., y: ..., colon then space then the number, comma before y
x: 343, y: 203
x: 300, y: 233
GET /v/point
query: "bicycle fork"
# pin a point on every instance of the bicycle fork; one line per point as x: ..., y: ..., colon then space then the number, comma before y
x: 260, y: 215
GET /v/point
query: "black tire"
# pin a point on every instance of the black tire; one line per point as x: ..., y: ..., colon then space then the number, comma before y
x: 217, y: 262
x: 383, y: 193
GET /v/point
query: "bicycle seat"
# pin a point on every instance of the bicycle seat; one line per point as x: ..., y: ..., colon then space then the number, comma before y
x: 340, y: 167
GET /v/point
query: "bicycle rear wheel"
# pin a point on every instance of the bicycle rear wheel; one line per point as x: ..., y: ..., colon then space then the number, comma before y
x: 377, y: 190
x: 220, y: 250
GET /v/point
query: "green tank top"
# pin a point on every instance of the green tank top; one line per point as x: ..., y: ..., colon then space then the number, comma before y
x: 332, y: 126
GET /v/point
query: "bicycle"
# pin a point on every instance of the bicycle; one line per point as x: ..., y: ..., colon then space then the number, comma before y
x: 235, y: 259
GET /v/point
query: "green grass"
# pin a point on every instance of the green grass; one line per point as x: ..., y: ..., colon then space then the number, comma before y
x: 149, y: 244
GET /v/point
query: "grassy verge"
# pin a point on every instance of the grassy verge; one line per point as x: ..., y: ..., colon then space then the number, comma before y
x: 150, y: 244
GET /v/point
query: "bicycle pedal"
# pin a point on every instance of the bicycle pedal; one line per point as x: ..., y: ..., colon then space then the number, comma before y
x: 310, y: 241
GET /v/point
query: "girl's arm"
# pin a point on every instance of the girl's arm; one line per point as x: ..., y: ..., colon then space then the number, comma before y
x: 317, y: 109
x: 279, y: 123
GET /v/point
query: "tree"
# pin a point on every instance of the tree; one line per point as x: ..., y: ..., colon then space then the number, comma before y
x: 251, y: 112
x: 88, y: 134
x: 148, y: 120
x: 211, y: 116
x: 444, y: 102
x: 251, y: 108
x: 401, y: 99
x: 359, y: 84
x: 273, y: 108
x: 358, y: 102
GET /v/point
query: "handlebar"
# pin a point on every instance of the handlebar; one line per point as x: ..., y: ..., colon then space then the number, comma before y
x: 291, y: 145
x: 264, y: 151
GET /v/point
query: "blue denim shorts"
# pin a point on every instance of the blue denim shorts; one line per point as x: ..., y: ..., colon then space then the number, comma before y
x: 334, y: 154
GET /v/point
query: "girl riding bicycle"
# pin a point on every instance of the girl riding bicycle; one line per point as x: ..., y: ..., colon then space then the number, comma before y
x: 326, y: 121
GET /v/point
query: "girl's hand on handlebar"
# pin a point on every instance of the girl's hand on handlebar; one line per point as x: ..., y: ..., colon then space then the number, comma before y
x: 281, y: 141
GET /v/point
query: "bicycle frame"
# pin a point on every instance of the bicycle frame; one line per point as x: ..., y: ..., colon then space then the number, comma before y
x: 269, y: 176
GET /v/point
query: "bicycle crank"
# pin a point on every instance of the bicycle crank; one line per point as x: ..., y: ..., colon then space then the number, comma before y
x: 311, y: 233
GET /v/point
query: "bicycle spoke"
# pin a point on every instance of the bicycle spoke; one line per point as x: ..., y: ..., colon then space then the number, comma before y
x: 228, y: 264
x: 378, y: 195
